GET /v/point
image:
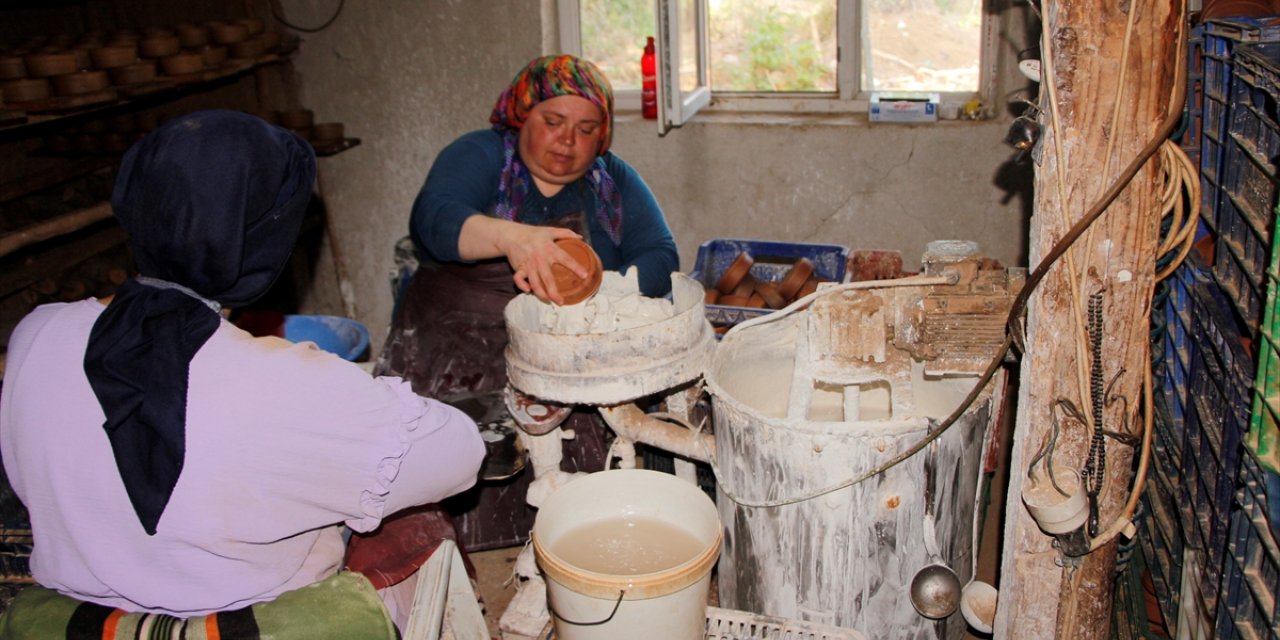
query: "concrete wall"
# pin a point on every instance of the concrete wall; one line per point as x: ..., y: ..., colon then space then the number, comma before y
x: 407, y: 77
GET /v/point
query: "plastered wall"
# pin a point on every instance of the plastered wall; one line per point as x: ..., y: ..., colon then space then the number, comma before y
x: 407, y: 77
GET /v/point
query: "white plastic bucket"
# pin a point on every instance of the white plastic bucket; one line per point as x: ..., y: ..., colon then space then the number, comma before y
x: 669, y: 603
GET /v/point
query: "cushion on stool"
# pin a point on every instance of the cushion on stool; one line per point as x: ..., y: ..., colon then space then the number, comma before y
x: 343, y: 606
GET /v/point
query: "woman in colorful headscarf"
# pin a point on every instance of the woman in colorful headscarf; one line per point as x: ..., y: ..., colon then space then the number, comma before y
x: 171, y: 462
x: 485, y: 224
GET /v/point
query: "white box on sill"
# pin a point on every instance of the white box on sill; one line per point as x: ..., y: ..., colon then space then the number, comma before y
x: 904, y: 107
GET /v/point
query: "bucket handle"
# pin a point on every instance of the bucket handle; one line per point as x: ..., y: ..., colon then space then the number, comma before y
x: 621, y: 592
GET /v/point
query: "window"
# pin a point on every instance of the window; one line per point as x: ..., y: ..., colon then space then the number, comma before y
x: 783, y: 55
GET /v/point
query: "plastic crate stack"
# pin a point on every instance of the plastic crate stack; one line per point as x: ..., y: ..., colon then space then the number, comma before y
x: 1207, y: 341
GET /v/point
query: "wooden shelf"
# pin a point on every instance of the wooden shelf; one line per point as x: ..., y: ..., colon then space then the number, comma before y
x: 17, y: 116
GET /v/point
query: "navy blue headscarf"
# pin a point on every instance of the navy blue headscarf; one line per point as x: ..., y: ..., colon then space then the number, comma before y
x: 213, y: 202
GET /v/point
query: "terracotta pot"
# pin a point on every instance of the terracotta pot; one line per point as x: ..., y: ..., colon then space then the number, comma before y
x: 137, y: 73
x: 253, y: 25
x: 733, y: 275
x: 80, y: 83
x: 795, y: 278
x: 114, y: 56
x: 768, y: 291
x: 12, y: 67
x: 223, y: 33
x: 213, y: 56
x: 250, y: 49
x: 192, y: 36
x: 182, y: 64
x: 572, y: 288
x: 159, y: 46
x: 45, y: 65
x: 26, y: 90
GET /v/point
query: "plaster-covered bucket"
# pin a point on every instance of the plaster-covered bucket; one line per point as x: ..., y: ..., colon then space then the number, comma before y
x: 627, y: 554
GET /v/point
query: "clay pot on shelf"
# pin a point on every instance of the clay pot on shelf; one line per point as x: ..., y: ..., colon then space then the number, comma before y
x: 192, y: 36
x: 26, y: 90
x: 159, y: 46
x: 182, y: 64
x: 250, y: 49
x: 213, y: 56
x: 228, y: 33
x: 80, y: 83
x: 12, y: 67
x: 114, y: 56
x: 46, y: 65
x: 137, y: 73
x: 270, y: 39
x: 253, y: 25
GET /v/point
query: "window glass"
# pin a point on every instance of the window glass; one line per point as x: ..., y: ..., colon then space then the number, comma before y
x: 613, y: 37
x: 921, y: 45
x: 773, y: 45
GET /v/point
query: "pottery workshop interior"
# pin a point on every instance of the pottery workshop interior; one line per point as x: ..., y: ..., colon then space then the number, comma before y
x: 639, y: 319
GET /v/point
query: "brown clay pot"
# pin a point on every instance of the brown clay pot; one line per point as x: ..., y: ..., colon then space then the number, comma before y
x: 80, y: 83
x: 137, y: 73
x: 182, y: 64
x: 159, y: 46
x: 572, y: 288
x: 12, y: 67
x: 795, y: 278
x: 26, y: 90
x: 733, y: 275
x: 114, y: 56
x: 45, y: 65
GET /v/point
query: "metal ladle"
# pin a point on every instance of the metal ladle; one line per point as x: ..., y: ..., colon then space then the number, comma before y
x: 935, y: 589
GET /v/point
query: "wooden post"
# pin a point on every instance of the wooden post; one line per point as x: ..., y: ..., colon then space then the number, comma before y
x: 1098, y: 113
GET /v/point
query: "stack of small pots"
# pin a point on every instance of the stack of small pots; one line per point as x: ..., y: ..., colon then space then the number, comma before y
x: 739, y: 287
x: 64, y: 66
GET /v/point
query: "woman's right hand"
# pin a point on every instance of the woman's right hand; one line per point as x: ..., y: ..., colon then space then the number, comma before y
x: 530, y: 250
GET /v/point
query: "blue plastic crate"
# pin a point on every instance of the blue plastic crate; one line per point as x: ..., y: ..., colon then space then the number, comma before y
x: 1251, y: 575
x: 1242, y: 190
x: 772, y: 261
x: 1217, y: 47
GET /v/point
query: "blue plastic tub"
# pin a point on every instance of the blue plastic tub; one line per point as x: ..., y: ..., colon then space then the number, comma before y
x: 342, y: 336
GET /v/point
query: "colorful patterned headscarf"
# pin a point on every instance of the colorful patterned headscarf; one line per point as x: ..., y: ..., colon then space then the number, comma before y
x: 550, y: 77
x: 542, y: 79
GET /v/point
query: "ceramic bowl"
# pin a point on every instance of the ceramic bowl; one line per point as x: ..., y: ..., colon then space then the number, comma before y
x: 572, y: 288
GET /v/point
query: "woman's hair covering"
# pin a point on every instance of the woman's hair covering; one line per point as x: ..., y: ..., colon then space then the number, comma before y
x: 549, y: 77
x: 544, y: 78
x: 213, y: 202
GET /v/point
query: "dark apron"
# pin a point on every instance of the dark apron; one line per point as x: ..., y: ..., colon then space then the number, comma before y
x: 447, y: 339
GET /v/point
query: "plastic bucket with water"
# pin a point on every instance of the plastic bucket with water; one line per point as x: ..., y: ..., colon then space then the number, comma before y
x: 667, y: 602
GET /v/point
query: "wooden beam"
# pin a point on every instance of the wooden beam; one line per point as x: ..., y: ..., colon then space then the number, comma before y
x: 1097, y: 114
x: 59, y: 259
x: 54, y: 227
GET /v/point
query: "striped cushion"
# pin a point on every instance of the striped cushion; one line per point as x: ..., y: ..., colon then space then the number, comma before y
x: 344, y: 606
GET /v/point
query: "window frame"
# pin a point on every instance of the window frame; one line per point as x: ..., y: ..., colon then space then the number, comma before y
x: 848, y: 98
